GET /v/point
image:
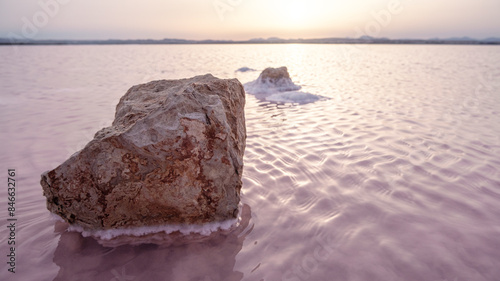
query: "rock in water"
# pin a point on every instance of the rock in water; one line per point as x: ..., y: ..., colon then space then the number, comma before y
x: 275, y: 85
x: 174, y: 154
x: 272, y: 80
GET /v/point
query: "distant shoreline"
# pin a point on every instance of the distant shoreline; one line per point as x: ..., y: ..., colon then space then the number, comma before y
x: 362, y: 40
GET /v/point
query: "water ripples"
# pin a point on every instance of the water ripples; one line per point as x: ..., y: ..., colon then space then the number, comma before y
x: 395, y: 177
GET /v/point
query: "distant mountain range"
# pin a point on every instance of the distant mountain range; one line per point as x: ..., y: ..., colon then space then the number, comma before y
x: 271, y: 40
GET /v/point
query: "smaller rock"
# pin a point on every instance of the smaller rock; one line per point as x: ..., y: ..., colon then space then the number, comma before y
x: 272, y: 80
x: 275, y: 85
x: 244, y: 69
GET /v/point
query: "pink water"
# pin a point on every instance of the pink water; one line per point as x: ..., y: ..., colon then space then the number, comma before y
x: 395, y: 177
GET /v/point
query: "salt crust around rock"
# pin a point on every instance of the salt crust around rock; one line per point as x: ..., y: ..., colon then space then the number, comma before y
x: 173, y: 155
x: 276, y: 86
x: 272, y: 80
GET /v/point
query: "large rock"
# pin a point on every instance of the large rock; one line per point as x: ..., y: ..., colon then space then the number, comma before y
x: 174, y: 154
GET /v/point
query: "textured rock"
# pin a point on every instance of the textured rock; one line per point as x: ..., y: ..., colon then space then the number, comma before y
x: 272, y: 80
x: 279, y: 78
x: 174, y: 154
x: 275, y: 75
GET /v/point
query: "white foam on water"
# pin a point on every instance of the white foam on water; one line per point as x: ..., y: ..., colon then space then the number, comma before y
x: 293, y: 97
x: 203, y: 229
x: 261, y: 86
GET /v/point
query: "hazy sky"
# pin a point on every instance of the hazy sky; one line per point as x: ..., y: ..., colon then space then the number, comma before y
x: 246, y: 19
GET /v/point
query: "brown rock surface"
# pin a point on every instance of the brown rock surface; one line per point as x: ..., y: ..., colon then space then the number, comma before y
x: 174, y: 154
x: 274, y: 75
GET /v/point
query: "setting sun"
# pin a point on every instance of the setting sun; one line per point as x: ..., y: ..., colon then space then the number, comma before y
x: 296, y: 12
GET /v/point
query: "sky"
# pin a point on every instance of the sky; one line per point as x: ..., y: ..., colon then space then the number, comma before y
x: 247, y: 19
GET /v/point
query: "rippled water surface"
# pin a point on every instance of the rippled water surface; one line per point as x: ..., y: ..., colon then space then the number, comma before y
x: 394, y: 176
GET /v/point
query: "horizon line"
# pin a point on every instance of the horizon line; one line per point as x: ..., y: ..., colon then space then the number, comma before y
x: 363, y: 39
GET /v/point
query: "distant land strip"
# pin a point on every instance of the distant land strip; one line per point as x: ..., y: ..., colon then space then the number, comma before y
x: 272, y: 40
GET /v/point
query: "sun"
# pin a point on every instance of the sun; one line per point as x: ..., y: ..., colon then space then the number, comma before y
x: 296, y: 12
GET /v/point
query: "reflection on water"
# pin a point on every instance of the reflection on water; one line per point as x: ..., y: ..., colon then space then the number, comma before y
x: 171, y: 257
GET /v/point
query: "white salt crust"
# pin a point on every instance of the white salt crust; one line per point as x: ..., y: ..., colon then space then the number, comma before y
x: 203, y: 229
